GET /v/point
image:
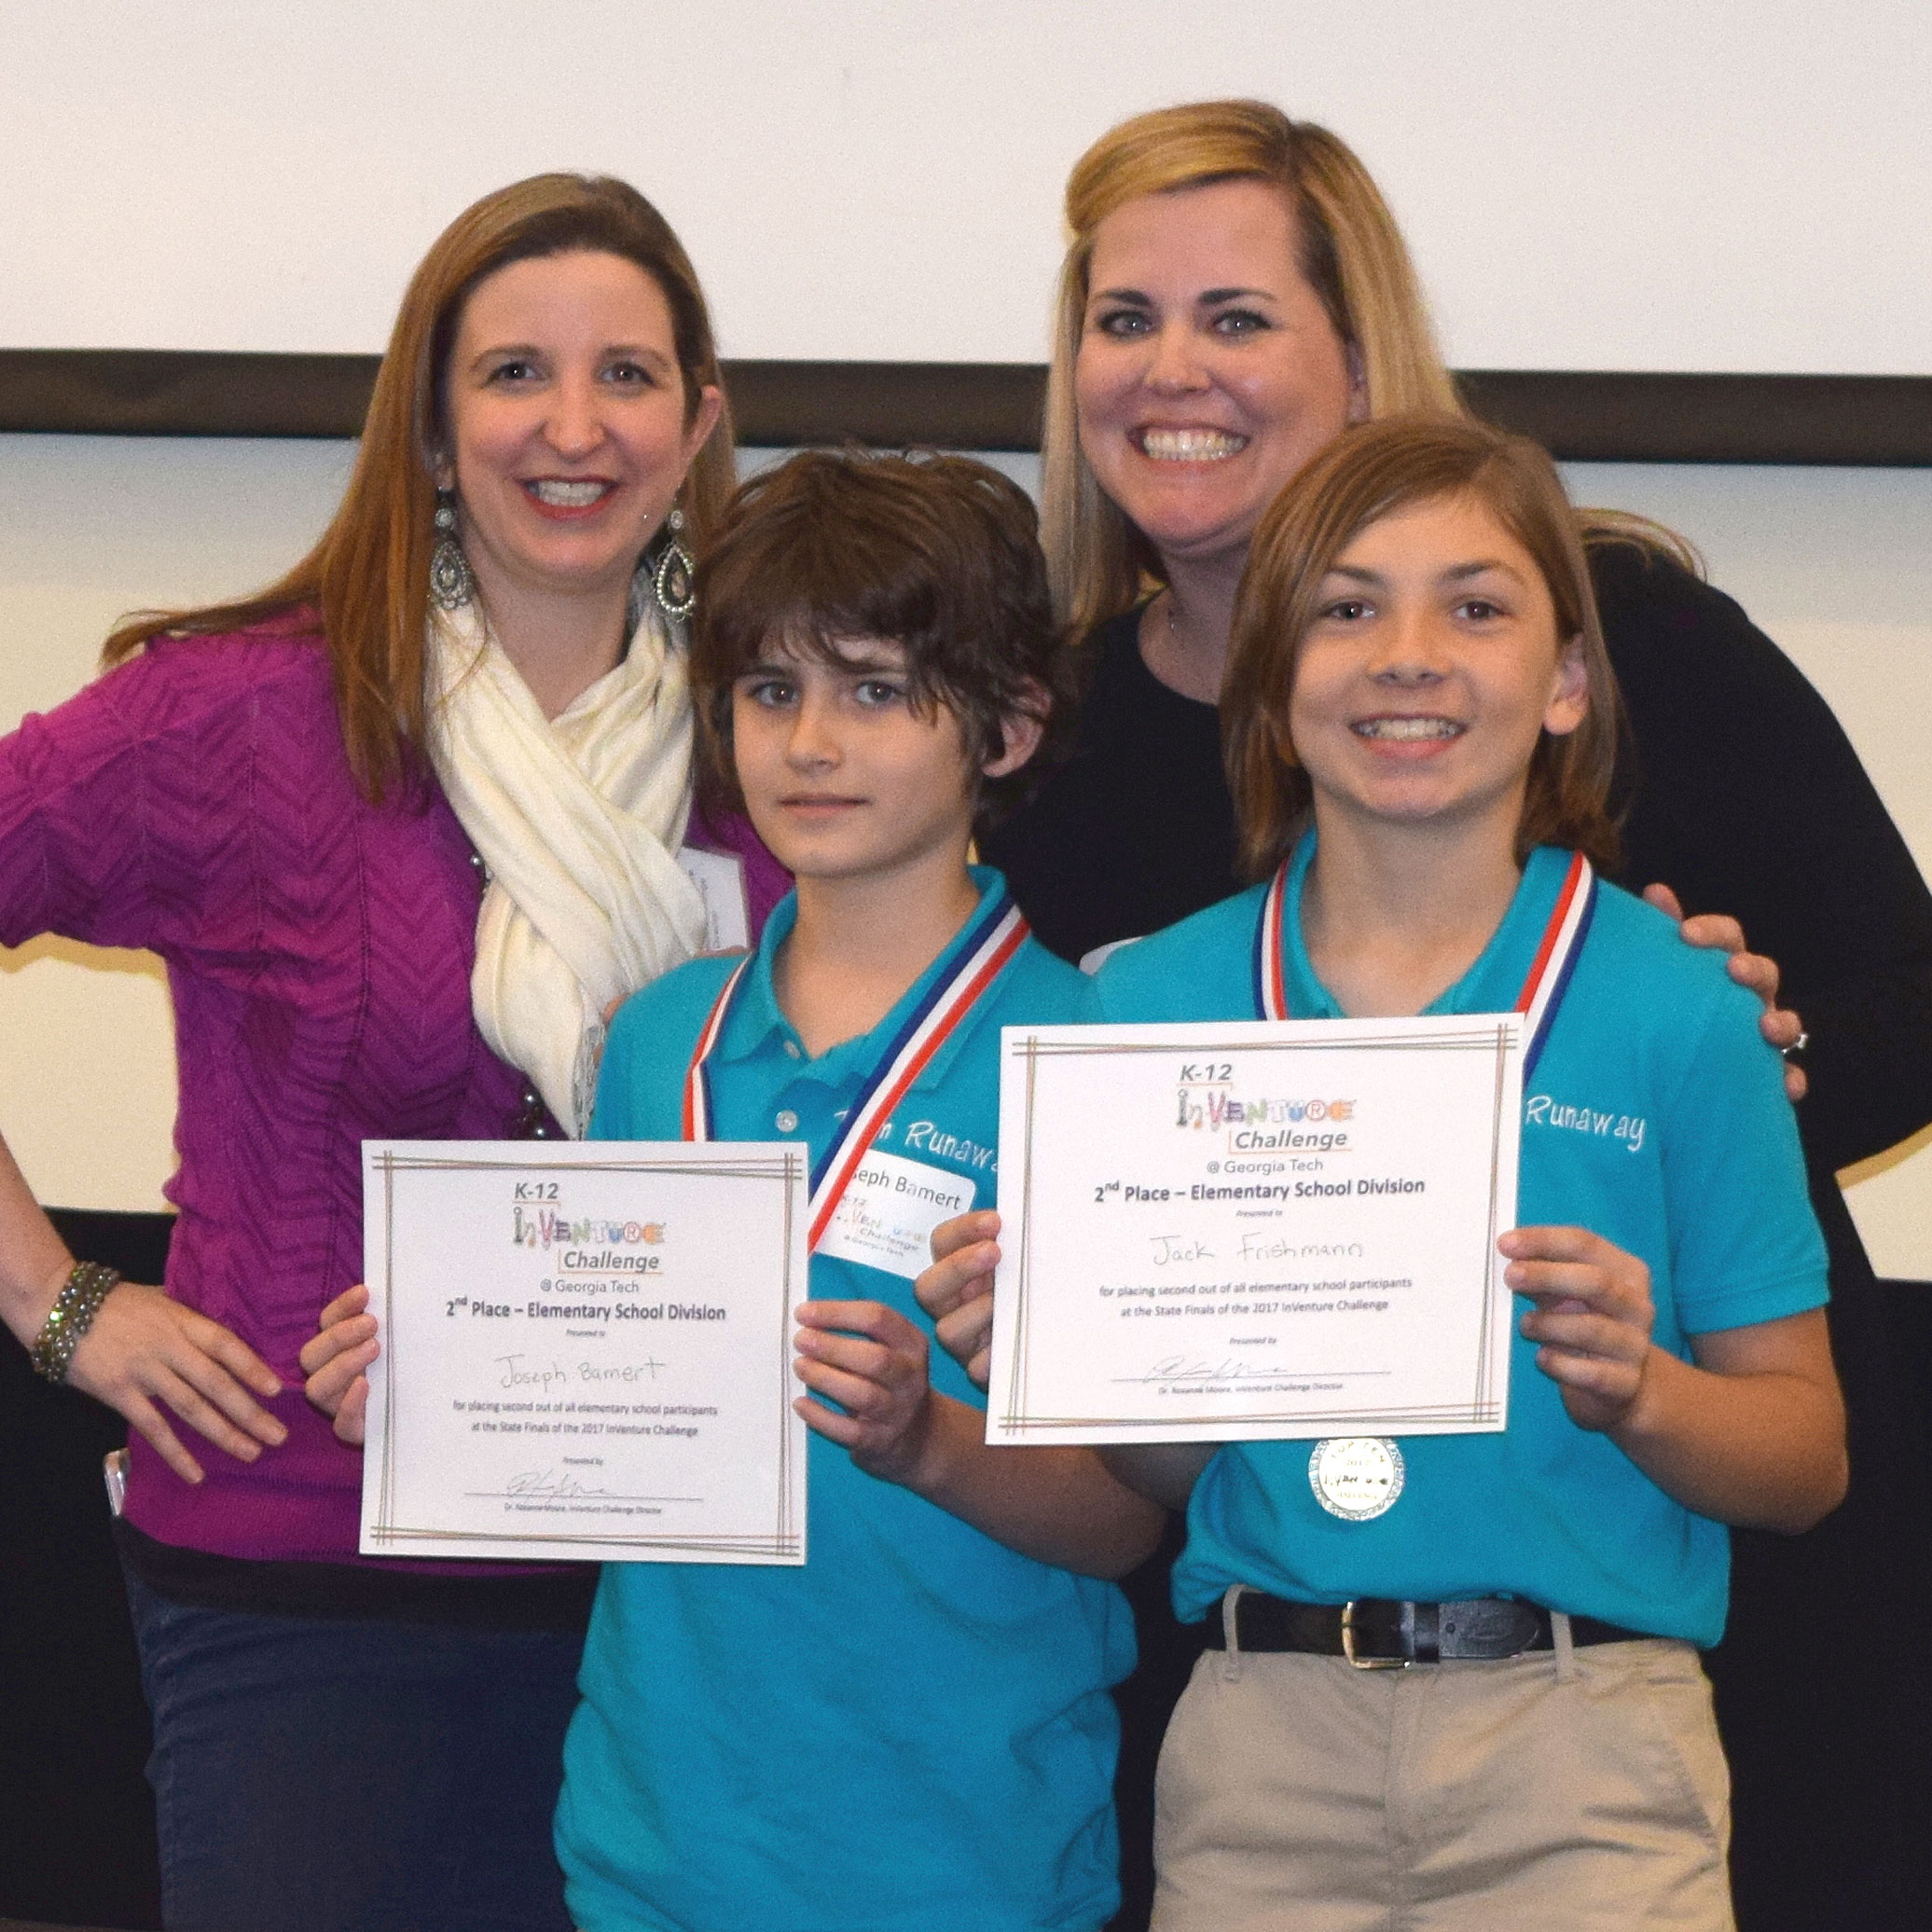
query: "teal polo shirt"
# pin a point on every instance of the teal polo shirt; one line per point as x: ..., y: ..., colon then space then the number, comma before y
x: 913, y: 1729
x: 1656, y: 1117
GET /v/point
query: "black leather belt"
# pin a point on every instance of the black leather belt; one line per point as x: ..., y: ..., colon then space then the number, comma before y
x: 1375, y: 1633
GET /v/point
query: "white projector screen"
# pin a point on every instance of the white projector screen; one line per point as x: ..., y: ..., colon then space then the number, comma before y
x: 1733, y: 184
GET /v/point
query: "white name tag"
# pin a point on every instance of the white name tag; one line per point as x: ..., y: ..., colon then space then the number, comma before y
x: 889, y: 1210
x: 719, y: 879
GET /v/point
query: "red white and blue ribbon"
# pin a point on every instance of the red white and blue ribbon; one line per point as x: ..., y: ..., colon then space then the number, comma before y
x: 1548, y: 976
x: 997, y: 934
x: 697, y: 1078
x: 1543, y: 987
x: 1270, y: 962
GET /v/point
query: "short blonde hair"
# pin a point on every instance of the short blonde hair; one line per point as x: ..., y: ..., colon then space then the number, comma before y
x: 1366, y: 474
x: 1348, y: 248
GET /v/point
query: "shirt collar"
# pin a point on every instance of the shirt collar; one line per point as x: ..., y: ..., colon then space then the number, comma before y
x: 757, y: 1024
x: 1491, y: 985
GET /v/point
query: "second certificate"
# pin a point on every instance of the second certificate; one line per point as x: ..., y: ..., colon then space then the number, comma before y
x: 1254, y: 1229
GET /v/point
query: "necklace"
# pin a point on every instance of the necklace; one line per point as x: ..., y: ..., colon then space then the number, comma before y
x: 1176, y: 642
x: 1183, y: 659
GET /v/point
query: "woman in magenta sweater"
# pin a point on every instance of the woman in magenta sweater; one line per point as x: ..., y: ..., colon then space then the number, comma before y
x: 401, y: 828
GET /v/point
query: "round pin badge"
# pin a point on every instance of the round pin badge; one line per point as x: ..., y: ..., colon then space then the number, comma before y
x: 1355, y: 1477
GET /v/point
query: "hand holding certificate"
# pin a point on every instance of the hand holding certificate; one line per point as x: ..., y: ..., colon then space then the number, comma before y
x: 1254, y: 1229
x: 585, y: 1350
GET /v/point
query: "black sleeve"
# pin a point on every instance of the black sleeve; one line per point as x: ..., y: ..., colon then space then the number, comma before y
x: 1745, y: 797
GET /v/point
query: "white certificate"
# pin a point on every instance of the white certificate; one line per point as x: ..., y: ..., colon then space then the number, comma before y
x: 1254, y: 1229
x: 586, y: 1350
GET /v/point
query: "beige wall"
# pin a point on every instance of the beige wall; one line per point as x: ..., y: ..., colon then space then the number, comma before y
x: 91, y: 526
x: 1836, y: 564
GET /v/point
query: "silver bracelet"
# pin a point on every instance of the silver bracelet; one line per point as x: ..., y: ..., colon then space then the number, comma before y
x: 70, y: 1318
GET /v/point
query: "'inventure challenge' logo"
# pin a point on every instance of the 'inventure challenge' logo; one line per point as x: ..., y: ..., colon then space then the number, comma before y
x: 542, y: 1227
x: 1205, y: 1103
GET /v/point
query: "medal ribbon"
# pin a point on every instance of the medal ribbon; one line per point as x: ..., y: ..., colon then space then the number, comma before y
x: 983, y: 954
x: 697, y: 1077
x: 1550, y: 972
x: 1543, y: 989
x: 1270, y: 970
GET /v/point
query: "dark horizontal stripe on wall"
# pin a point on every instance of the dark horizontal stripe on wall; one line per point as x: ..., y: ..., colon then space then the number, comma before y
x: 1581, y: 415
x: 945, y: 406
x: 1605, y: 417
x: 183, y: 392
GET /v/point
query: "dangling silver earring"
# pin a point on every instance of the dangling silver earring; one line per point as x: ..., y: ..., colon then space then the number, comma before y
x: 675, y: 581
x: 451, y: 584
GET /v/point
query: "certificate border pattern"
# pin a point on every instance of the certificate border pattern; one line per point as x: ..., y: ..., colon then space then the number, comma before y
x: 786, y: 1540
x: 1487, y: 1405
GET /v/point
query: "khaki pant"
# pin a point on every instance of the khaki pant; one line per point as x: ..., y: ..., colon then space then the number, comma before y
x: 1589, y: 1792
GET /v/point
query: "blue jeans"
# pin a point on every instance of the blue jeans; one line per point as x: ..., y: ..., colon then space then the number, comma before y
x: 320, y: 1774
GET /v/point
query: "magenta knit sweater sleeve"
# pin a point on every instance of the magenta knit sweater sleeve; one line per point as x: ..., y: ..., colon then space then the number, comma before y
x: 197, y: 802
x: 119, y: 811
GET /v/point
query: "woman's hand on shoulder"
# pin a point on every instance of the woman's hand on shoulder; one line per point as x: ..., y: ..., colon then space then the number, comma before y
x: 957, y: 1291
x: 1779, y: 1025
x: 144, y: 1352
x: 336, y: 1359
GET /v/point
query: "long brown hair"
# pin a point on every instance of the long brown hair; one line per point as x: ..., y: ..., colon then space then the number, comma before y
x: 1363, y: 476
x: 367, y: 578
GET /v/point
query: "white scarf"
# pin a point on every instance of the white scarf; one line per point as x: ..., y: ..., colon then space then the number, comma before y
x: 579, y: 819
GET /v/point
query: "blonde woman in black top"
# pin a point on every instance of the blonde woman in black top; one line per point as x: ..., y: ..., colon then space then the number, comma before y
x: 1236, y: 294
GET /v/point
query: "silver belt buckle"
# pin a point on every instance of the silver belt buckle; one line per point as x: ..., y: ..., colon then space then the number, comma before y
x: 1355, y: 1663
